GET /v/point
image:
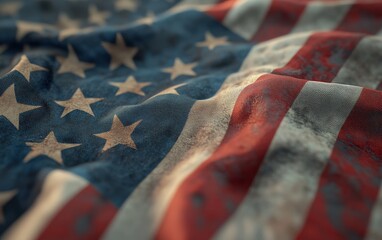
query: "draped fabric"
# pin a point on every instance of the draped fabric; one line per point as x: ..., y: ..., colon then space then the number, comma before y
x: 170, y: 119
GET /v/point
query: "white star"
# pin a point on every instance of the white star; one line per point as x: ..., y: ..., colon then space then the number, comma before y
x: 24, y: 28
x: 96, y: 16
x: 211, y: 42
x: 119, y: 134
x: 71, y: 64
x: 78, y: 102
x: 171, y: 90
x: 120, y: 54
x: 10, y: 8
x: 130, y: 85
x: 25, y: 67
x: 180, y: 68
x: 65, y: 22
x: 10, y: 108
x: 49, y: 147
x: 129, y: 5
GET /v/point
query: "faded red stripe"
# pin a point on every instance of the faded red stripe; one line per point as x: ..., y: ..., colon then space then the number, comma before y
x: 350, y: 182
x: 221, y: 9
x: 280, y: 19
x: 363, y: 17
x: 86, y: 216
x: 211, y: 193
x: 322, y: 56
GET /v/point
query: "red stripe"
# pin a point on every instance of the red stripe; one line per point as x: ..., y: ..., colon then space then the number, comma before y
x: 86, y: 216
x: 220, y: 10
x: 363, y: 17
x: 350, y: 182
x: 212, y: 192
x: 322, y: 56
x: 280, y: 19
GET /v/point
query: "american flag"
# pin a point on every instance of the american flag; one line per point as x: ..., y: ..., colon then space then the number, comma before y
x: 193, y: 119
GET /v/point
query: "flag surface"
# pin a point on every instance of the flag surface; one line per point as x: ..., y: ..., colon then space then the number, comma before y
x: 193, y: 119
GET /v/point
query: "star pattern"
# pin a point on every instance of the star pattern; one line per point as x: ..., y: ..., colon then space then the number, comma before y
x: 78, y: 102
x: 10, y: 8
x: 119, y: 134
x: 96, y: 16
x: 24, y: 28
x: 25, y: 67
x: 180, y: 69
x: 130, y: 85
x: 211, y: 42
x: 120, y: 54
x: 65, y: 22
x: 71, y: 64
x: 128, y: 5
x: 5, y: 197
x: 171, y: 90
x: 10, y: 108
x: 49, y: 147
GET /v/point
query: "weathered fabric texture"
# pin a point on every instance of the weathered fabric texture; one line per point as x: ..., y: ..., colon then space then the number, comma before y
x: 169, y: 119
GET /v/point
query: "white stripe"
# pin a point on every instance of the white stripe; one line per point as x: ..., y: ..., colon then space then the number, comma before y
x: 283, y: 189
x: 374, y: 231
x: 276, y: 53
x: 363, y: 67
x: 58, y: 188
x: 142, y: 212
x: 246, y: 16
x: 320, y: 16
x: 199, y: 5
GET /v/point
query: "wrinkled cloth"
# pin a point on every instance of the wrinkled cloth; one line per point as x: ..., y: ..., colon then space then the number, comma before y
x: 168, y: 119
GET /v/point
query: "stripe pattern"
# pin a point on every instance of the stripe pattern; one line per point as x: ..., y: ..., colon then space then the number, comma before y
x: 199, y: 139
x: 284, y: 145
x: 298, y: 153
